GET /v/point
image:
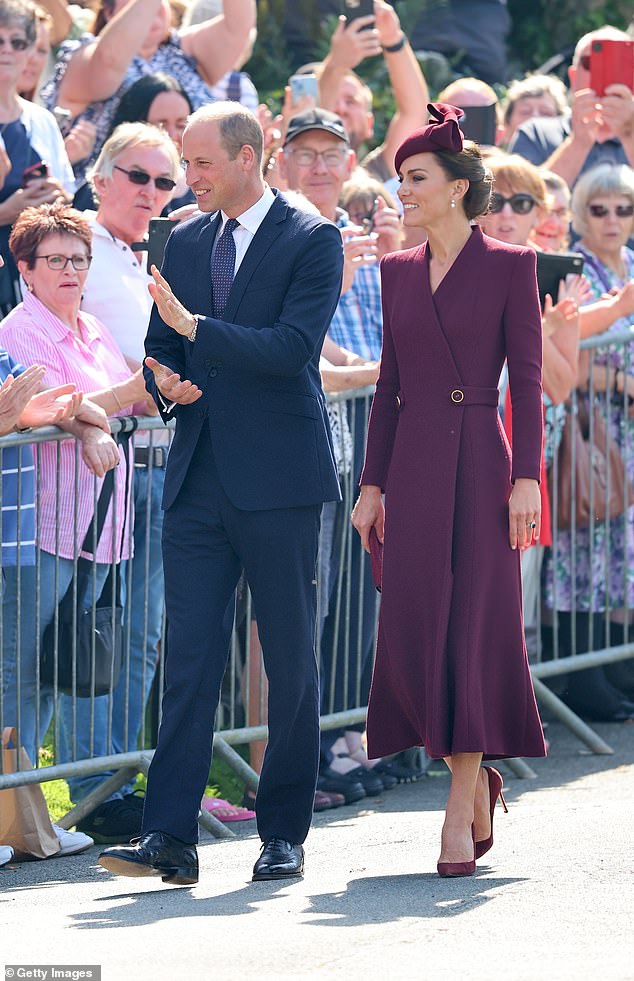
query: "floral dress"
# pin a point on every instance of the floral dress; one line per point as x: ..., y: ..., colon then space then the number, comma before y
x: 594, y: 571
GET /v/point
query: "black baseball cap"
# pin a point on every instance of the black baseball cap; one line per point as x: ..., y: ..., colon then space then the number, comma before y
x: 321, y: 119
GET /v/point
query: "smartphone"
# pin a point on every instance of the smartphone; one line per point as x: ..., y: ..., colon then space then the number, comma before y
x: 303, y: 85
x: 158, y: 234
x: 35, y: 172
x: 354, y: 9
x: 552, y: 267
x: 611, y: 61
x: 479, y: 123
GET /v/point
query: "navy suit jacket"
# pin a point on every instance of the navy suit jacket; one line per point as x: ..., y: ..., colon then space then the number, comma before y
x: 258, y: 368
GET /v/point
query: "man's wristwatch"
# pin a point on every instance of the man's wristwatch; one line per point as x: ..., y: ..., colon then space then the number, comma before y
x: 191, y: 337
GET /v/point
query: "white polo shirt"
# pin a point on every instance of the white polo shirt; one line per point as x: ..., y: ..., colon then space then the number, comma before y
x: 116, y: 289
x: 116, y: 293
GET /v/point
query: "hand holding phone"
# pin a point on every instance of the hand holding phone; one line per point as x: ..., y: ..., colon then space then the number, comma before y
x: 611, y: 63
x: 36, y: 172
x: 304, y: 90
x: 353, y: 9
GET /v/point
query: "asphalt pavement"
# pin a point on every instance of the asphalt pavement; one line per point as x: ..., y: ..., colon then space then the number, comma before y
x: 553, y: 899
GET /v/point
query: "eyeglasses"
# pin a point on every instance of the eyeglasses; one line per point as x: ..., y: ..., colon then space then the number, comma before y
x: 140, y: 177
x: 620, y: 210
x: 307, y: 157
x: 521, y: 204
x: 59, y: 262
x: 17, y: 43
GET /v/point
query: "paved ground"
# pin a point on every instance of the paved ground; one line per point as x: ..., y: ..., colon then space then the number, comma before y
x: 554, y: 898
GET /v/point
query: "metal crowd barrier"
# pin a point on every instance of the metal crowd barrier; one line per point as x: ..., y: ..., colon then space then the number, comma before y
x: 347, y: 616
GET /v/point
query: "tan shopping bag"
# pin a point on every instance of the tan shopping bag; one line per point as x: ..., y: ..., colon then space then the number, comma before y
x: 25, y: 823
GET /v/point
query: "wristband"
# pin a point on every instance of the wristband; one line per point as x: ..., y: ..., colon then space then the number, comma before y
x: 393, y: 48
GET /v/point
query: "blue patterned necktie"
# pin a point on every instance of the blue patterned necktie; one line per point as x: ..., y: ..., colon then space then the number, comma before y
x: 223, y: 265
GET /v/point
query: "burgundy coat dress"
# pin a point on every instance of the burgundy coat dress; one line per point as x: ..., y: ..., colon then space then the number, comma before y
x: 451, y: 671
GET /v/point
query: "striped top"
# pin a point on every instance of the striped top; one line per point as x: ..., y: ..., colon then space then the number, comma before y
x: 34, y: 335
x: 17, y: 491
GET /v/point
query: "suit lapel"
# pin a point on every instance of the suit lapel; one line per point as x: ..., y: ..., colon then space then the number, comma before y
x: 262, y: 241
x: 203, y: 264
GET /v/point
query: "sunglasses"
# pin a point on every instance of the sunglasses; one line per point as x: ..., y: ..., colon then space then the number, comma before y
x: 521, y: 204
x: 620, y: 210
x: 584, y: 62
x: 17, y: 43
x: 140, y: 177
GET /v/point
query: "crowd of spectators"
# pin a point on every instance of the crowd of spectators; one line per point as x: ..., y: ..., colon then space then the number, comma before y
x: 93, y: 104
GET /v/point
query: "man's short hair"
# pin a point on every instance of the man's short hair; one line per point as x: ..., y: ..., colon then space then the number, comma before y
x: 238, y: 127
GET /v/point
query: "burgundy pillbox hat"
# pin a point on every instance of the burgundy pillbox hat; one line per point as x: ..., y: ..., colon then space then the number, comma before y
x: 441, y: 133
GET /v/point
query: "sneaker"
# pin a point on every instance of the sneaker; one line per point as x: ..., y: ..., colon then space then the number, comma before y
x: 341, y: 783
x: 112, y: 822
x: 6, y: 854
x: 72, y: 842
x: 136, y: 800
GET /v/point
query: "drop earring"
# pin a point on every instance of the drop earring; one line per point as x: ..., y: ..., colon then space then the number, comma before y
x: 453, y: 202
x: 29, y: 287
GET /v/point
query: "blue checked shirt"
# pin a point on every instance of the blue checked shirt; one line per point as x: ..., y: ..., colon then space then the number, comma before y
x: 18, y: 491
x: 357, y: 323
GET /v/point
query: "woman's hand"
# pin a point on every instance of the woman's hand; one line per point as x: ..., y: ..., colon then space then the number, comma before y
x: 80, y: 140
x: 99, y: 451
x: 93, y: 415
x: 15, y: 394
x: 368, y: 513
x: 525, y: 507
x: 358, y: 250
x: 49, y: 407
x: 388, y: 226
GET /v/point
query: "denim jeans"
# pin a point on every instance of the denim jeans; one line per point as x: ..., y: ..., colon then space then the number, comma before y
x: 30, y: 713
x: 144, y: 578
x: 117, y: 728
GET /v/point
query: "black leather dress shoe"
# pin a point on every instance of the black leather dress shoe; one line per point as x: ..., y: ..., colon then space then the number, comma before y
x: 154, y: 853
x: 280, y: 859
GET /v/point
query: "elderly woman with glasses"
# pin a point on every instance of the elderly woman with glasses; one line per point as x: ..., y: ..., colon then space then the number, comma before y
x: 51, y: 246
x: 40, y: 170
x: 597, y: 572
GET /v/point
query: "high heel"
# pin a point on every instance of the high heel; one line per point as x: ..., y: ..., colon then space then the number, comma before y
x: 452, y: 870
x: 495, y: 790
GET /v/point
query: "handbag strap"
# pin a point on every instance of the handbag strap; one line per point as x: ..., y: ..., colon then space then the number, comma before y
x: 103, y: 504
x: 105, y: 496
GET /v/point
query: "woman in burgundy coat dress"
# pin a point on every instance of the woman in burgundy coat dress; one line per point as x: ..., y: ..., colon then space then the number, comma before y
x: 451, y: 670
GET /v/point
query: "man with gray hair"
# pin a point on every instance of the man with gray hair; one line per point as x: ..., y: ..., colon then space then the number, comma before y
x: 241, y: 310
x: 133, y: 179
x: 598, y: 130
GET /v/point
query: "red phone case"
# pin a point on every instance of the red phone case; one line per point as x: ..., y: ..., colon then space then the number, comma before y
x: 611, y: 62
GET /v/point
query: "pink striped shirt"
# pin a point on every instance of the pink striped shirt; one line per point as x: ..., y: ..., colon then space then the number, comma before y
x: 32, y: 334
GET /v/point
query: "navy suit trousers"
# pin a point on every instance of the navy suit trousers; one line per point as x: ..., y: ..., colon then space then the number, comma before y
x: 206, y: 542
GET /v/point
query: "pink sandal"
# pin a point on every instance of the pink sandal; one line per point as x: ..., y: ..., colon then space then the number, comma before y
x: 225, y: 811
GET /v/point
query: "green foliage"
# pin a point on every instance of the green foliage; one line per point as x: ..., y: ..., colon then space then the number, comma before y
x: 542, y: 28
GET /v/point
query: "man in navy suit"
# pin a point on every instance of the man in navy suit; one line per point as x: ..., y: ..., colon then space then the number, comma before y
x: 240, y: 313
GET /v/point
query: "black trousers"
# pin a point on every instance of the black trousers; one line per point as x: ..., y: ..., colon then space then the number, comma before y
x: 206, y: 542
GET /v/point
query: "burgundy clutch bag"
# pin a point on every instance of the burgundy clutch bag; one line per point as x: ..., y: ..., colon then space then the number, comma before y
x: 376, y: 559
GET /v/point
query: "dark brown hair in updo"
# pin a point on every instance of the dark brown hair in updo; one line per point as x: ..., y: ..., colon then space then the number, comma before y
x: 467, y: 164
